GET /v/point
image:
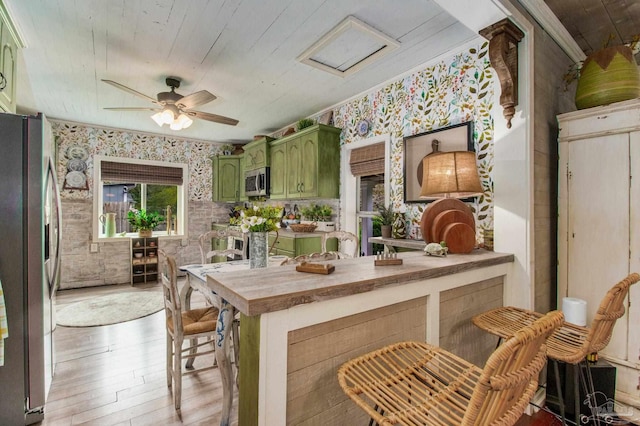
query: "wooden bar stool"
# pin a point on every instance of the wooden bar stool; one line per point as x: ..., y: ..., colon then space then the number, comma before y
x: 413, y: 383
x: 181, y: 326
x: 570, y: 343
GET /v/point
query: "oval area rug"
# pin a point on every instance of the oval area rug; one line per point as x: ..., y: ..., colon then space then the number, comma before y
x: 110, y: 309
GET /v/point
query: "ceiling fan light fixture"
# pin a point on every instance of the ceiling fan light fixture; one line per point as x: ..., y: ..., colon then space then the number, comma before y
x: 157, y: 117
x: 168, y: 116
x: 185, y: 121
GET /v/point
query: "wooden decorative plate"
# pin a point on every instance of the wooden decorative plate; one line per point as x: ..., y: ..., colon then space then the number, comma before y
x: 436, y: 208
x: 449, y: 216
x: 460, y: 237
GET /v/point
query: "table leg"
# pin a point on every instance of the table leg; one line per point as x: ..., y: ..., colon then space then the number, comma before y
x: 225, y: 319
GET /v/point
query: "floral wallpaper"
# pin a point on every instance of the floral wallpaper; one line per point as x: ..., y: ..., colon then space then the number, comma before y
x: 124, y: 144
x: 453, y: 91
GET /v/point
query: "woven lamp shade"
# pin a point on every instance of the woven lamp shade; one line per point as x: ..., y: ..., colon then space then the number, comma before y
x: 450, y: 175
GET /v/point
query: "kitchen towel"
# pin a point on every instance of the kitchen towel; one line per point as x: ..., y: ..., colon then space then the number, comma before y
x: 4, y: 329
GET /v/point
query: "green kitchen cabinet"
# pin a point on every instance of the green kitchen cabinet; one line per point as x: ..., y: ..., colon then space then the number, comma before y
x: 295, y: 245
x: 226, y: 178
x: 306, y: 164
x: 256, y: 153
x: 278, y: 190
x: 243, y: 168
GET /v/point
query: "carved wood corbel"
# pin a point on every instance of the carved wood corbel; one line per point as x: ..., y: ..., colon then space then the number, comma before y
x: 503, y: 39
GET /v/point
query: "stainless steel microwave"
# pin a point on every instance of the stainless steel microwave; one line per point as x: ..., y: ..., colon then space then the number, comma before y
x: 256, y: 182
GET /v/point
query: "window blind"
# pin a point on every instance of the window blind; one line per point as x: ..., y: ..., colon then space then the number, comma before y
x: 368, y: 160
x: 112, y: 171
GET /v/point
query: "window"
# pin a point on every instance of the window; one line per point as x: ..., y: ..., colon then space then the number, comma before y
x: 371, y: 198
x: 122, y: 183
x: 365, y: 177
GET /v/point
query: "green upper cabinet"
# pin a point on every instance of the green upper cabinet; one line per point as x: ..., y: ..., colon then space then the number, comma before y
x: 278, y: 170
x: 256, y: 153
x: 243, y: 195
x: 306, y: 164
x: 226, y: 178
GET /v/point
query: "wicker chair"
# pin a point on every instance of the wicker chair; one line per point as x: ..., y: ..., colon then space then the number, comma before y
x: 413, y: 383
x: 341, y: 236
x: 571, y: 343
x: 192, y: 325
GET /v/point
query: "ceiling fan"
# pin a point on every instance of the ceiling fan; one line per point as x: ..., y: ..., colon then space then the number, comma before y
x: 173, y: 108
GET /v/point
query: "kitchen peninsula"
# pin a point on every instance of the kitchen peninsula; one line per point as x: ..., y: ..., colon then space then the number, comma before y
x: 298, y: 328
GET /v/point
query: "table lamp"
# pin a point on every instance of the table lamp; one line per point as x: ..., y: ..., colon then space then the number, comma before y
x: 450, y: 176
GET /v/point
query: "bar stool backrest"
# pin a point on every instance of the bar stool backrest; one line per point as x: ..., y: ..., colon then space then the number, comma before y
x: 611, y: 308
x: 510, y: 376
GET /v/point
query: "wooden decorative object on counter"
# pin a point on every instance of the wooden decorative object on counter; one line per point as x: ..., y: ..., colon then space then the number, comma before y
x: 449, y: 220
x: 315, y: 268
x: 386, y: 259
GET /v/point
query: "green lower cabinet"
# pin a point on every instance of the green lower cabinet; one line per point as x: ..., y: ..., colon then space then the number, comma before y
x: 293, y: 246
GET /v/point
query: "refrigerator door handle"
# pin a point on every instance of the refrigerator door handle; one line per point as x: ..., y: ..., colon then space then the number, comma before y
x: 57, y: 207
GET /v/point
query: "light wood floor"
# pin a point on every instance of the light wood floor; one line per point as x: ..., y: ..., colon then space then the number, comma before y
x: 115, y: 374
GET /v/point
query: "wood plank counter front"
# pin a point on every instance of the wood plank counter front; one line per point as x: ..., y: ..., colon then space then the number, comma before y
x: 298, y: 328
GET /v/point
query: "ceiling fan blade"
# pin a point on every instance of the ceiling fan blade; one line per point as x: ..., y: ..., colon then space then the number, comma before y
x: 195, y: 99
x: 133, y: 109
x: 212, y: 117
x: 130, y: 90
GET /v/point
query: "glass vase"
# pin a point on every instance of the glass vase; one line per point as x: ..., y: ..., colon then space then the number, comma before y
x: 258, y: 249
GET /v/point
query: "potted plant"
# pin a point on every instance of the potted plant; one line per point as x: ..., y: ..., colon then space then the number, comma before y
x: 143, y: 222
x: 385, y: 217
x: 606, y: 76
x: 320, y: 215
x: 226, y: 149
x: 304, y: 123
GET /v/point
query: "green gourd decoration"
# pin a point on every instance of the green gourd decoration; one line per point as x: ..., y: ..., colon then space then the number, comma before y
x: 608, y: 75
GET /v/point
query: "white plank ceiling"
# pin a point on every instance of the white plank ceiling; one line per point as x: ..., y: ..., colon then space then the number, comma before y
x: 243, y: 51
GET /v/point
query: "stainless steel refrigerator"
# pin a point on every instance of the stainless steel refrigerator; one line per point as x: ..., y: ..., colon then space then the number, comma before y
x: 29, y: 264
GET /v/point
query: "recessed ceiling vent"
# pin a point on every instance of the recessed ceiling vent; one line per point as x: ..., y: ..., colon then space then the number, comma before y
x: 348, y: 47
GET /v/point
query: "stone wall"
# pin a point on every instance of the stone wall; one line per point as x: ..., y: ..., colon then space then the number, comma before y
x: 111, y: 263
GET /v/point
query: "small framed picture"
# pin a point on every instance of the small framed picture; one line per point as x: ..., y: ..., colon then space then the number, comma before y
x: 458, y: 137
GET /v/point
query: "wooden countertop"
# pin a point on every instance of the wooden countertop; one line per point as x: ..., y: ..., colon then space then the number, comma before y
x: 258, y: 291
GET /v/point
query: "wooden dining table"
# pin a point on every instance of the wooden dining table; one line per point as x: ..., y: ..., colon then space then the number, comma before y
x: 197, y: 280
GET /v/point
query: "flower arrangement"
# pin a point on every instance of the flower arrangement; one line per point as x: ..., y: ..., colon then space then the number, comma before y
x: 141, y: 220
x: 260, y: 219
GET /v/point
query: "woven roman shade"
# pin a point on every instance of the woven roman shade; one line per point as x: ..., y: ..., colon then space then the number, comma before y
x: 368, y: 160
x: 115, y: 172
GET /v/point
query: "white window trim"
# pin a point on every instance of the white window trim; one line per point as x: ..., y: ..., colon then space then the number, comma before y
x: 350, y: 197
x: 183, y: 208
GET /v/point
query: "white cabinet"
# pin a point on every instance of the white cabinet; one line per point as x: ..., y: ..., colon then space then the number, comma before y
x: 599, y: 221
x: 8, y: 62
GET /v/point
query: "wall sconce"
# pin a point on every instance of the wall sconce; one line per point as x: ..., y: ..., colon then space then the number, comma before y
x: 173, y: 117
x: 450, y: 176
